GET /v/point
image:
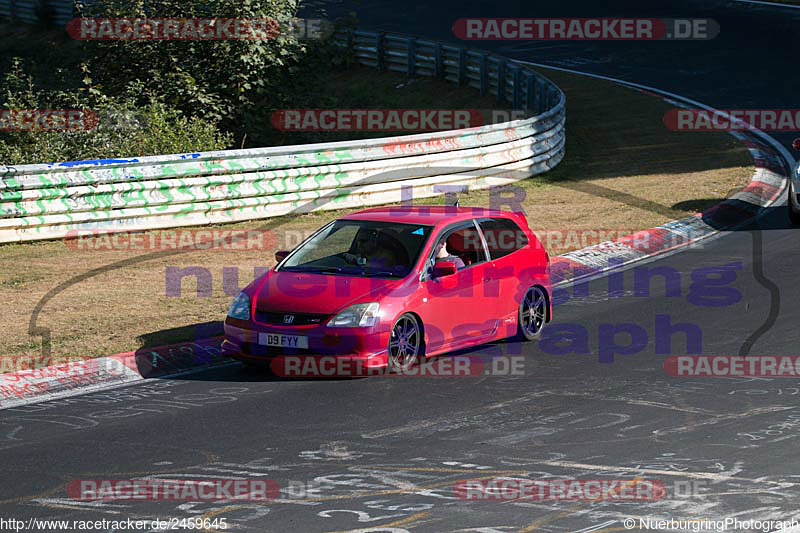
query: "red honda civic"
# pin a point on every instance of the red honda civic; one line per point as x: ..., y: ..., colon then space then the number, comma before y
x: 389, y: 285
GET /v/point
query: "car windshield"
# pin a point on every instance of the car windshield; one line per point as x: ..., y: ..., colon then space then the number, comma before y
x: 364, y: 248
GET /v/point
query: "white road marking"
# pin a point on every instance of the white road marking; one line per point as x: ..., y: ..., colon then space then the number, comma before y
x: 769, y: 4
x: 656, y: 471
x: 12, y: 434
x: 598, y: 526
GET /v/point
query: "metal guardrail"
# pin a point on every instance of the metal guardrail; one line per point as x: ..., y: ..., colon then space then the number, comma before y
x: 480, y: 70
x: 48, y: 200
x: 56, y: 12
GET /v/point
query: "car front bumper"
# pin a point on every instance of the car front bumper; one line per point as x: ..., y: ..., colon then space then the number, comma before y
x: 366, y: 346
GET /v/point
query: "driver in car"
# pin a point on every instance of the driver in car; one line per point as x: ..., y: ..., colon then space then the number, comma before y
x: 369, y: 253
x: 444, y: 255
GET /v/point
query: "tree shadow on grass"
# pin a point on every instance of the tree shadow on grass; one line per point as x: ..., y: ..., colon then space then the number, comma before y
x: 697, y: 205
x: 190, y: 333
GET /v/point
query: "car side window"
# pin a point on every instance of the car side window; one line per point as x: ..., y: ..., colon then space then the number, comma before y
x: 466, y: 244
x: 503, y: 236
x: 463, y: 243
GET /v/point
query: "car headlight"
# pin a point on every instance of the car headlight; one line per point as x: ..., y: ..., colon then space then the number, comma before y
x: 240, y: 307
x: 356, y: 316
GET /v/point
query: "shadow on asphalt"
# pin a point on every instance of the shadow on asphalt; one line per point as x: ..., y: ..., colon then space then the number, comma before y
x: 199, y: 361
x: 726, y: 216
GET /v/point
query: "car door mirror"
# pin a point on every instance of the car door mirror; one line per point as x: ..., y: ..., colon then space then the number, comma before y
x: 281, y: 255
x: 444, y: 268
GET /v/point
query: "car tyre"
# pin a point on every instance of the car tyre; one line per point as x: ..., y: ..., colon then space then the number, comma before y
x: 532, y: 314
x: 794, y: 216
x: 406, y: 343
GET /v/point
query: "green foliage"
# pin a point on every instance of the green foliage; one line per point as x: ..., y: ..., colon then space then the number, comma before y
x: 166, y: 96
x: 219, y: 80
x: 128, y: 125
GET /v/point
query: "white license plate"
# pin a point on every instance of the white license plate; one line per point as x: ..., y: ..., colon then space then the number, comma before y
x: 284, y: 341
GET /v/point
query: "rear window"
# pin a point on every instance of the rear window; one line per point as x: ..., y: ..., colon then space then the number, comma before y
x: 503, y: 236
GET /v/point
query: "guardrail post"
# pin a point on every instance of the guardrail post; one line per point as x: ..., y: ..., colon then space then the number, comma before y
x: 529, y: 103
x: 462, y: 66
x: 379, y: 48
x: 484, y: 76
x: 411, y: 45
x: 47, y: 184
x: 351, y: 52
x: 501, y: 80
x: 438, y: 71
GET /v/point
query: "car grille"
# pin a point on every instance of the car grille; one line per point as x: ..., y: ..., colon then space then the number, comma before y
x: 298, y: 319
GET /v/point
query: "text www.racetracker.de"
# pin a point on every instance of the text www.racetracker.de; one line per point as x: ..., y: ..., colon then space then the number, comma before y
x: 35, y: 524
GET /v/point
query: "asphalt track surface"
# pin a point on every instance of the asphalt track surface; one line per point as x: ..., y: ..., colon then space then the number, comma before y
x: 383, y: 454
